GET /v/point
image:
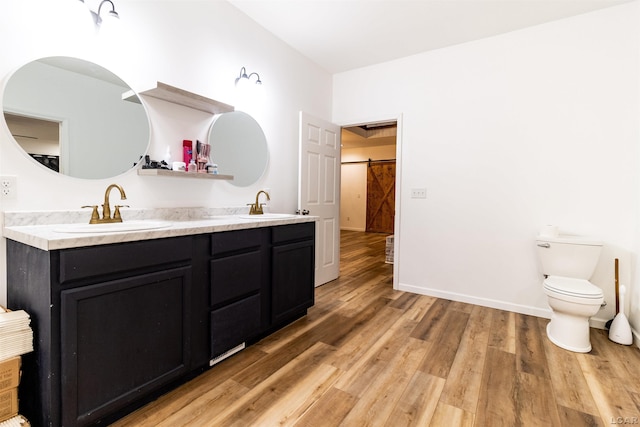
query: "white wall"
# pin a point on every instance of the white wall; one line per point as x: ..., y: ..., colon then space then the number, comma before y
x: 507, y: 134
x: 353, y: 184
x: 197, y: 46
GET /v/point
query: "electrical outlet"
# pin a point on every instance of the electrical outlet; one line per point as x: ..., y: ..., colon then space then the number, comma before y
x: 8, y: 187
x: 418, y: 193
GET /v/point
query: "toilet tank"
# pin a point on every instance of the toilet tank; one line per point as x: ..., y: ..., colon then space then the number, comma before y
x: 568, y: 256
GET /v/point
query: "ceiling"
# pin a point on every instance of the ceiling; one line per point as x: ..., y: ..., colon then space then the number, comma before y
x: 369, y: 135
x: 341, y: 35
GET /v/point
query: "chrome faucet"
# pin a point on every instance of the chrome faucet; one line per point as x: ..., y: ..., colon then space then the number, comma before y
x: 106, y: 208
x: 256, y: 208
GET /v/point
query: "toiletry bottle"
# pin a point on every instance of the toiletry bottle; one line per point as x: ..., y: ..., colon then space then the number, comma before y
x: 167, y: 156
x: 187, y: 151
x: 214, y: 169
x: 192, y: 166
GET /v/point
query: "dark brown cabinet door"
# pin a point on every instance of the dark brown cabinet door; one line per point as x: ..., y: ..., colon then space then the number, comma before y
x: 292, y: 280
x: 120, y: 340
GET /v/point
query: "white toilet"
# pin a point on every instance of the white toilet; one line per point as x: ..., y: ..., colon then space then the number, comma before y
x: 568, y: 263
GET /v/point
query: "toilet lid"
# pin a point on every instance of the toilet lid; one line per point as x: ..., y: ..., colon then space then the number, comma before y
x: 572, y: 287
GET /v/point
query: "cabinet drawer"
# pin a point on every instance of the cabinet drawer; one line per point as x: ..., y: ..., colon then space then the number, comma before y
x: 235, y: 323
x: 100, y: 260
x: 235, y: 276
x: 287, y: 233
x: 235, y: 241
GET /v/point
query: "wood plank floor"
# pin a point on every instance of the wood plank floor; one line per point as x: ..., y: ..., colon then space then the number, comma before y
x: 366, y: 355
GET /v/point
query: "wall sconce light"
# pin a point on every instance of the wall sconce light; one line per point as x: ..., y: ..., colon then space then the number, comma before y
x: 97, y: 18
x: 240, y: 80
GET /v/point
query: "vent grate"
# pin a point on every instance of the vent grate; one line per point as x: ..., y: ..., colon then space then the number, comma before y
x: 226, y: 354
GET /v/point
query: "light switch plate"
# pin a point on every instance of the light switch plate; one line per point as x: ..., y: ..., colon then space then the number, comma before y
x: 418, y: 193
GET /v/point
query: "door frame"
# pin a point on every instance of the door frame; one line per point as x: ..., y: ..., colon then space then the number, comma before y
x: 396, y: 224
x: 63, y: 134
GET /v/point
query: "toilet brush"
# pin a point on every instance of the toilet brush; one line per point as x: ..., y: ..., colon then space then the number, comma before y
x: 620, y: 331
x: 617, y: 290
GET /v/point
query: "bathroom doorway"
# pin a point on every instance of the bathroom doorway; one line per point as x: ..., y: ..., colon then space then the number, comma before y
x: 368, y: 177
x: 368, y: 184
x: 39, y: 137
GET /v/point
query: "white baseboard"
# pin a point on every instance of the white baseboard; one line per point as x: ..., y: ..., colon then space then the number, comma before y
x: 595, y: 322
x: 352, y: 229
x: 485, y: 302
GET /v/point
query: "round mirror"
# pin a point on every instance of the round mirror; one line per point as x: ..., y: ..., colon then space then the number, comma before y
x: 238, y: 147
x: 76, y: 117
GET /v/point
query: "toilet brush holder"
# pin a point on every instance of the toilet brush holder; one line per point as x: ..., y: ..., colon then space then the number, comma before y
x: 620, y: 330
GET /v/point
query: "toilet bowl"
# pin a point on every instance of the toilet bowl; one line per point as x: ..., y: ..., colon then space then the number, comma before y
x: 567, y: 263
x: 573, y: 302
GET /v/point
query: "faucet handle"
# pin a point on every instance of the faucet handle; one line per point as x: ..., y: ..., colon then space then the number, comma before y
x: 116, y: 213
x: 94, y: 213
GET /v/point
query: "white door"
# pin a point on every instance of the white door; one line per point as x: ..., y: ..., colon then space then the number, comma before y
x: 319, y: 190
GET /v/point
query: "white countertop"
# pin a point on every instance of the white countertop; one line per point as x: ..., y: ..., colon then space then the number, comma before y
x: 46, y: 238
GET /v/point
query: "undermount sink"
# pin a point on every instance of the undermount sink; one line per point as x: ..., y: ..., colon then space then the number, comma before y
x: 268, y: 216
x: 113, y: 227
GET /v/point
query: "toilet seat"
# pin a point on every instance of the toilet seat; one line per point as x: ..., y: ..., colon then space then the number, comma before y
x: 570, y: 287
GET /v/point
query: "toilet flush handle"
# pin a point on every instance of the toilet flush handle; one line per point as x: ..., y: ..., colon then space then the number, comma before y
x: 544, y: 245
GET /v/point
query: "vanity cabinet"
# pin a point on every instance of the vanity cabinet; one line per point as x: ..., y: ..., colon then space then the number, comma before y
x: 111, y: 323
x: 116, y: 325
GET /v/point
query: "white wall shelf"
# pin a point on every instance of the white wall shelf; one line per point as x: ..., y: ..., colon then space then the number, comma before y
x: 182, y: 97
x: 171, y: 173
x: 178, y: 96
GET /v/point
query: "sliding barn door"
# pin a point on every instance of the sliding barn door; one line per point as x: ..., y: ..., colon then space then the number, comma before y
x: 381, y: 193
